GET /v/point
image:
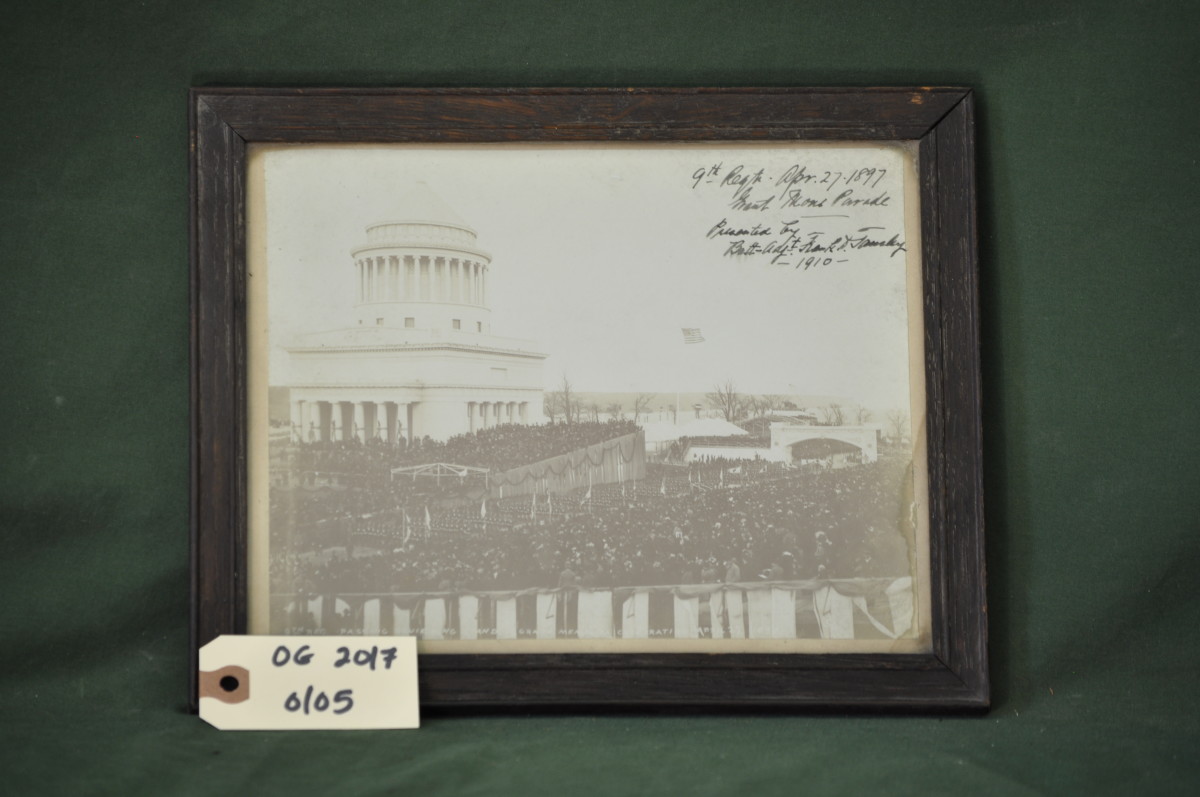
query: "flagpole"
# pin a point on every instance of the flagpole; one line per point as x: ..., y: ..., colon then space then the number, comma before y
x: 691, y: 336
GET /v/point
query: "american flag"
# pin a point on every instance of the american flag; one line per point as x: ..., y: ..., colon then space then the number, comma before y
x: 691, y: 335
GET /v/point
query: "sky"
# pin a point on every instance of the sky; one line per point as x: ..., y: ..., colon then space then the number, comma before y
x: 603, y: 253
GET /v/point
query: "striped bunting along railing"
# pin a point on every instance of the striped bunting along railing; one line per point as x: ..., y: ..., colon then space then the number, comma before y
x: 826, y: 609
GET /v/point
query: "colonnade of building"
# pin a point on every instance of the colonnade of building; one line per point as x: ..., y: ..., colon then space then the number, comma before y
x: 390, y: 421
x: 392, y: 278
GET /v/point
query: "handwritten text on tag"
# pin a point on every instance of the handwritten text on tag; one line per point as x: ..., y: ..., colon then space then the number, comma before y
x: 314, y: 683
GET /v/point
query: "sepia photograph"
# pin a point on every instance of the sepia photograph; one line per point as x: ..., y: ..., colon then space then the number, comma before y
x: 611, y: 397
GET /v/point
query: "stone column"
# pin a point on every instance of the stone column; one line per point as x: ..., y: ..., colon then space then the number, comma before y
x: 391, y: 416
x: 370, y: 420
x: 305, y: 421
x: 410, y: 282
x: 297, y: 420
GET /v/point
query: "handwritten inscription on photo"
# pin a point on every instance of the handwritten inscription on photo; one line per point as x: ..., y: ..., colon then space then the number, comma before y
x: 805, y: 216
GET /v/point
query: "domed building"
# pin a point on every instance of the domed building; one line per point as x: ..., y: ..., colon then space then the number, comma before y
x: 420, y: 359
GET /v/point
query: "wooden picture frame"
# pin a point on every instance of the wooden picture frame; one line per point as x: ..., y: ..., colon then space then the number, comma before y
x: 951, y: 675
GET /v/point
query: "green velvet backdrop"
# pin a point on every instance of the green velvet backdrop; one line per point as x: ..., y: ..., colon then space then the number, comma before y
x: 1088, y: 218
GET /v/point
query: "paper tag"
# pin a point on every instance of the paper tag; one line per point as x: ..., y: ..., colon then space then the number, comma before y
x: 309, y: 682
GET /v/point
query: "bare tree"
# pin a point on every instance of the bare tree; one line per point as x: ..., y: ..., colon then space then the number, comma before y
x: 594, y: 411
x: 833, y: 415
x: 897, y: 421
x: 550, y: 405
x: 773, y: 402
x: 862, y: 415
x: 641, y: 405
x: 726, y: 399
x: 563, y: 401
x: 613, y: 411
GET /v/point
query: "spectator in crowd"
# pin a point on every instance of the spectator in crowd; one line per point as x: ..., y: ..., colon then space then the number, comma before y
x: 770, y: 521
x: 733, y: 573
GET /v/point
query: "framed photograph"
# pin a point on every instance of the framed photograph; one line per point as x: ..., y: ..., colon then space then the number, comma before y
x: 611, y: 397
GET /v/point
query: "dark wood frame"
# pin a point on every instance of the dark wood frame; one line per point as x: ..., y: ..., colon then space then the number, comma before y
x: 953, y: 677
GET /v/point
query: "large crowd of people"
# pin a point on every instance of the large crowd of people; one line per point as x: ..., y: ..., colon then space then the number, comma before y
x: 707, y: 523
x: 495, y: 448
x: 332, y: 489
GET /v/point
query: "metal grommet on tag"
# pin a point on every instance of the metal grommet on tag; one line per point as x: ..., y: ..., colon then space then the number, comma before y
x: 229, y: 684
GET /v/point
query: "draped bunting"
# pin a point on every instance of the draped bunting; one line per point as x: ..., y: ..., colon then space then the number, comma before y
x: 687, y: 617
x: 468, y: 613
x: 547, y: 615
x: 900, y: 600
x: 834, y: 613
x: 595, y: 614
x: 735, y: 615
x: 716, y: 614
x: 635, y: 616
x: 617, y: 460
x: 506, y: 618
x: 830, y: 609
x: 401, y: 622
x: 435, y: 618
x: 371, y: 617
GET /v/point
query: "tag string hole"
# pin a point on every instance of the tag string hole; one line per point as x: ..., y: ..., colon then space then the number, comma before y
x: 230, y: 683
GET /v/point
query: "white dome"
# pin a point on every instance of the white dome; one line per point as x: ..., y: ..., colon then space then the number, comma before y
x: 421, y: 205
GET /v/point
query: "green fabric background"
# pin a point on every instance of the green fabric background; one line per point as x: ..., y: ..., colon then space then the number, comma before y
x: 1088, y: 218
